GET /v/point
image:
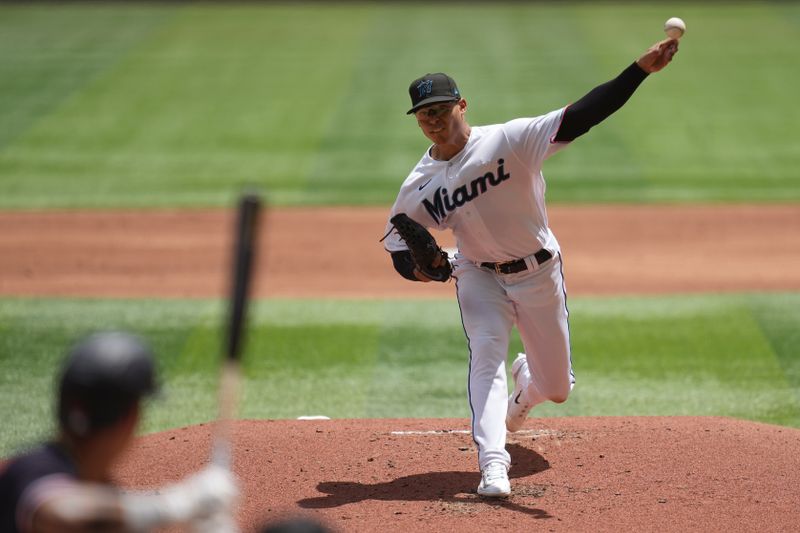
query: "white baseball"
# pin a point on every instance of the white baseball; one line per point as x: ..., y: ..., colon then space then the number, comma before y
x: 674, y: 28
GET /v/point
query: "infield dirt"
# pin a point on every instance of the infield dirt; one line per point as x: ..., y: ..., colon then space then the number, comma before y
x: 334, y: 252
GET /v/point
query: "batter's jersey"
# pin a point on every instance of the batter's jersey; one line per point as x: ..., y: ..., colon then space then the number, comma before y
x: 26, y: 480
x: 490, y: 194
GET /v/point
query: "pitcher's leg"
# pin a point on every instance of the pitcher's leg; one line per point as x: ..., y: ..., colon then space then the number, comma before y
x: 542, y: 320
x: 487, y: 316
x: 488, y: 401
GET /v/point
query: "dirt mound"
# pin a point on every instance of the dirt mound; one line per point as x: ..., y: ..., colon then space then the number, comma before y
x: 569, y: 474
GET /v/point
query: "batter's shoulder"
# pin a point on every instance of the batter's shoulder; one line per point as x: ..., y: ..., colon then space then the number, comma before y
x: 42, y: 460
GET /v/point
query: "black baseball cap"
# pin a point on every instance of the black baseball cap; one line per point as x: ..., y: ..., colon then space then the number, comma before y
x: 103, y: 376
x: 432, y: 89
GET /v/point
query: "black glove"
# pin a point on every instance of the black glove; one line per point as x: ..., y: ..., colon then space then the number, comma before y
x: 430, y: 259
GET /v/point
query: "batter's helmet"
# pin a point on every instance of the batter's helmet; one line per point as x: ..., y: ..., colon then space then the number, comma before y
x: 103, y: 376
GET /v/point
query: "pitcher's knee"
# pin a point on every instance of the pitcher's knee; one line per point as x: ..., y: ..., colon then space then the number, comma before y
x: 558, y: 398
x: 559, y: 394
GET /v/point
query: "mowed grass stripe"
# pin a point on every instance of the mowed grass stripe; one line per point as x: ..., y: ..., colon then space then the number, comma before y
x: 687, y: 134
x: 499, y: 54
x: 781, y: 326
x: 696, y: 363
x: 48, y: 54
x: 729, y: 355
x: 216, y: 99
x: 308, y: 370
x: 182, y: 104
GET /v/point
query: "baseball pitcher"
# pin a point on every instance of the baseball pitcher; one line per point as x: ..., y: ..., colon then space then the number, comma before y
x: 485, y: 183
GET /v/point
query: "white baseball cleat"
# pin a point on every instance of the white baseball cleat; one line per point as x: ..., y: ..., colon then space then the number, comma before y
x: 494, y: 481
x: 518, y: 405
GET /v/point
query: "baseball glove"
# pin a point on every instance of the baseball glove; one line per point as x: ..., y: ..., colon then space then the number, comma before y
x: 430, y: 259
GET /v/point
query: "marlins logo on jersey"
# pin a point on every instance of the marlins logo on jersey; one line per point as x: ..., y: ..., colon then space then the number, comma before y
x: 444, y: 202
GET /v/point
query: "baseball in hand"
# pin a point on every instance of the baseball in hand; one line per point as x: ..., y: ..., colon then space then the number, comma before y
x: 674, y: 28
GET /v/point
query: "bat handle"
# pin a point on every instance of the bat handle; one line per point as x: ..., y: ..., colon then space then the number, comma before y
x: 228, y: 401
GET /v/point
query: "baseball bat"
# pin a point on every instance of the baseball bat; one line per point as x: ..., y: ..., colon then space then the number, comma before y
x: 243, y: 261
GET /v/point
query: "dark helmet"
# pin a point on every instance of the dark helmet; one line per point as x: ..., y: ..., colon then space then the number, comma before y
x: 103, y: 377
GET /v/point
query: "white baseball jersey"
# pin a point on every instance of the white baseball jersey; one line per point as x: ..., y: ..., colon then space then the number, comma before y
x: 491, y: 194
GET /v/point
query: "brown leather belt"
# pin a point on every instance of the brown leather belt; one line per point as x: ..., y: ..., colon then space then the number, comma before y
x: 512, y: 267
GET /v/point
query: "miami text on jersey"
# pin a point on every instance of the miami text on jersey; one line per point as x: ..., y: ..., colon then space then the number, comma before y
x: 443, y: 202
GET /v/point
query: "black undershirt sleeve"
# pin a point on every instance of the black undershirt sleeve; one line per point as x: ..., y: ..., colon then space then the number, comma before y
x: 404, y: 264
x: 599, y: 104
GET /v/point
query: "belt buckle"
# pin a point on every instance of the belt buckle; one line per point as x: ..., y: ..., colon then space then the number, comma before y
x: 498, y: 266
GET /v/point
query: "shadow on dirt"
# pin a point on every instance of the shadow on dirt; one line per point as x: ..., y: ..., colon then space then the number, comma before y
x: 447, y: 487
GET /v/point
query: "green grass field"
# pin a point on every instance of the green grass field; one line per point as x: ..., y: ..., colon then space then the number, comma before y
x: 152, y: 105
x: 179, y: 105
x: 732, y: 355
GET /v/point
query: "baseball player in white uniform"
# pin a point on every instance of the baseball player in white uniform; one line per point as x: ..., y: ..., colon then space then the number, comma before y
x: 485, y: 183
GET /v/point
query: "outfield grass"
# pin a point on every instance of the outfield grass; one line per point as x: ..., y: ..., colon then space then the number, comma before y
x: 732, y: 355
x: 153, y: 105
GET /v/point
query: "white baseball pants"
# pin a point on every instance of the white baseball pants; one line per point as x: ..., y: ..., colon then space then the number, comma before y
x: 491, y: 304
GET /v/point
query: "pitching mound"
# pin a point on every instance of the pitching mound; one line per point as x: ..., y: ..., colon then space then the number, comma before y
x: 568, y: 474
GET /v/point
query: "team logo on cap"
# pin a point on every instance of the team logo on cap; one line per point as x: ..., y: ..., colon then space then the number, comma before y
x: 425, y: 87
